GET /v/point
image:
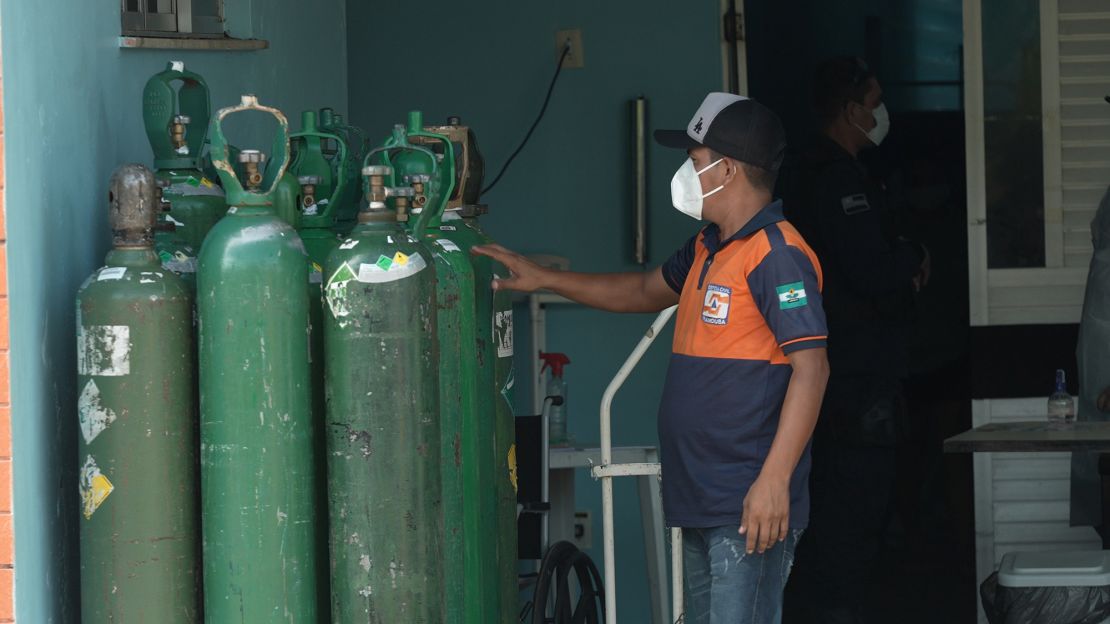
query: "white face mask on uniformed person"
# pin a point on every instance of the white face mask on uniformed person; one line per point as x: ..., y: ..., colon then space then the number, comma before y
x: 686, y: 192
x: 882, y: 125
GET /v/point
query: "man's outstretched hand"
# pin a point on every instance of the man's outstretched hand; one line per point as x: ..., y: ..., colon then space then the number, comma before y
x: 524, y: 275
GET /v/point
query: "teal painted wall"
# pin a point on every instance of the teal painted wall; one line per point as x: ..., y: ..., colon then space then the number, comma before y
x: 72, y: 109
x: 568, y: 192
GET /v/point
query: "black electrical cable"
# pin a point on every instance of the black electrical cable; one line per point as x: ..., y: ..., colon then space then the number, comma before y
x: 560, y: 561
x: 546, y: 100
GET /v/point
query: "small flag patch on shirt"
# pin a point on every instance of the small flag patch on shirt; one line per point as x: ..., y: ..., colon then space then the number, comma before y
x: 792, y: 295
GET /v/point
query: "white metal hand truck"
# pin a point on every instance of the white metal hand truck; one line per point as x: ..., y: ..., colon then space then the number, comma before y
x: 607, y: 470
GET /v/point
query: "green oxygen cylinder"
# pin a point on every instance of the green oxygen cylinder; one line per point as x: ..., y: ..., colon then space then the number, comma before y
x: 137, y: 420
x: 176, y: 120
x: 494, y: 314
x: 380, y: 339
x: 354, y: 139
x: 257, y: 464
x: 321, y: 188
x: 468, y: 543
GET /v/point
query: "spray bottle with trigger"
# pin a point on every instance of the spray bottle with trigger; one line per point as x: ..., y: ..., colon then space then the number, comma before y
x: 556, y: 386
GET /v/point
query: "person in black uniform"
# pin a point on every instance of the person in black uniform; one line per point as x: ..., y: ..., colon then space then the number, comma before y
x: 871, y: 274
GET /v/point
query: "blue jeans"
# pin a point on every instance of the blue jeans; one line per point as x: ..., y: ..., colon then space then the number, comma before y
x: 725, y: 585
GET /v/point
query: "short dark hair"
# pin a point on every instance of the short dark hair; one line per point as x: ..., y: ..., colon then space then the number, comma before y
x: 839, y: 80
x: 760, y: 178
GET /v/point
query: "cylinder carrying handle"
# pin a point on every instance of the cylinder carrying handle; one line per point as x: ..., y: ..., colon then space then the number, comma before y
x: 162, y: 102
x: 237, y: 195
x: 342, y: 168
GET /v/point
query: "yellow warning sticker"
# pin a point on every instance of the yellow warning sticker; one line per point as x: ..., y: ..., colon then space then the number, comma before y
x: 94, y: 486
x: 401, y: 258
x: 207, y: 182
x: 512, y: 467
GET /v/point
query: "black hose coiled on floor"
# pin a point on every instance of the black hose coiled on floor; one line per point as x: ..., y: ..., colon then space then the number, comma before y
x: 562, y: 559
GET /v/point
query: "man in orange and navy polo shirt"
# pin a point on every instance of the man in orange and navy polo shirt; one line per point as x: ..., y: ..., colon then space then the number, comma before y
x: 748, y: 369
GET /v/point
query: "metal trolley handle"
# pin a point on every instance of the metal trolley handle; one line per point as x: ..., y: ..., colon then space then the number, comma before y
x: 607, y: 470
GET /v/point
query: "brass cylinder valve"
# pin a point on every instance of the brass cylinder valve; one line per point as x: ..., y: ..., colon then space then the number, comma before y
x: 402, y: 199
x: 418, y: 182
x: 376, y: 194
x: 177, y: 131
x: 251, y: 159
x: 308, y: 190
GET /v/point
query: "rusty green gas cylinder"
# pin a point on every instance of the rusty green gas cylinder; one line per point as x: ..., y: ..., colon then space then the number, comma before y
x: 257, y: 455
x: 137, y: 425
x: 494, y: 314
x: 383, y: 423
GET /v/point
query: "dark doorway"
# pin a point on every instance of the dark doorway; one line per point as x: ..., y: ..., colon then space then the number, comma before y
x: 926, y: 572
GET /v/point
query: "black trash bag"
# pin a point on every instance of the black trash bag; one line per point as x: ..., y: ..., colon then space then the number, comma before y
x: 1044, y: 605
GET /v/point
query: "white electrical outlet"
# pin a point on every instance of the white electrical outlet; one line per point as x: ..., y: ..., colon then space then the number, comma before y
x: 573, y: 37
x: 583, y: 530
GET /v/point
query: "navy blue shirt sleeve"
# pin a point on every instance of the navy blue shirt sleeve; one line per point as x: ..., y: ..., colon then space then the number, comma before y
x: 677, y: 267
x: 785, y: 288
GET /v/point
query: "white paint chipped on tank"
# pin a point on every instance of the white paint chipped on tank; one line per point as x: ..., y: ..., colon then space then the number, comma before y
x: 92, y: 414
x: 365, y: 562
x: 104, y: 350
x: 366, y: 592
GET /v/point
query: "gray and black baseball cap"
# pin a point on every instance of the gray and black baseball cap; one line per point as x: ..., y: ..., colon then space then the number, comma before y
x: 735, y: 126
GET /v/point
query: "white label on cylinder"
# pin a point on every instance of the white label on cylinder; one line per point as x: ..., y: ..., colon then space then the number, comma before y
x: 104, y: 350
x: 94, y: 486
x: 380, y: 273
x: 177, y: 66
x: 111, y: 273
x: 93, y: 416
x: 448, y: 245
x: 503, y: 333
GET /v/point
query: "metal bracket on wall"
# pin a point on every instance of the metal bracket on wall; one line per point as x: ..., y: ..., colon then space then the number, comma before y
x: 734, y: 26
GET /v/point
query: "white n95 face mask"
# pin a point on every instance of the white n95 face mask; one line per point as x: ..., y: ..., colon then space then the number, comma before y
x: 882, y: 125
x: 686, y: 192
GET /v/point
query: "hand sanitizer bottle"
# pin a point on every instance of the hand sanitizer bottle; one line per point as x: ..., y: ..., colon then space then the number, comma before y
x: 1061, y: 405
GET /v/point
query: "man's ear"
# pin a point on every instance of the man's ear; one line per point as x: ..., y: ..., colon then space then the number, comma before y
x: 731, y: 169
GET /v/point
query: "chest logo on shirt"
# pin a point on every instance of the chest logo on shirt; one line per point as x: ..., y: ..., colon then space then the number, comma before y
x: 792, y: 295
x: 715, y: 308
x: 855, y: 204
